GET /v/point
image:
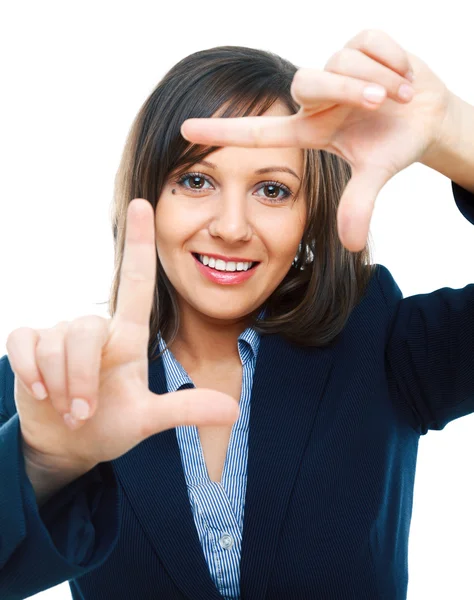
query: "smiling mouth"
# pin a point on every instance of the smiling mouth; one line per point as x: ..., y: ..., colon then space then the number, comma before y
x: 255, y: 264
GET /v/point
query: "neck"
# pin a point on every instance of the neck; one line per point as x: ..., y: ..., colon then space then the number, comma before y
x: 203, y: 343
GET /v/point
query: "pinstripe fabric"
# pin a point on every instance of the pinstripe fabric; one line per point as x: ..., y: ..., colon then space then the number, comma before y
x: 218, y: 507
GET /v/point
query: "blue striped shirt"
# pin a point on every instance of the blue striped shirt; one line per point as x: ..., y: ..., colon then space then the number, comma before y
x: 218, y: 508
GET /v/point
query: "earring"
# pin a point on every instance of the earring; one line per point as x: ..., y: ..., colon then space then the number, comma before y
x: 297, y: 253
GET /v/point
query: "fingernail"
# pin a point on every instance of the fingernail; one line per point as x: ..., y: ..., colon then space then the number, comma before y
x: 70, y: 421
x: 409, y: 75
x: 79, y: 409
x: 39, y: 391
x: 406, y: 92
x: 374, y: 93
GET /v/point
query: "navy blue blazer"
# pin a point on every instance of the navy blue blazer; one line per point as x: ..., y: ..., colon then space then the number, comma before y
x: 333, y: 444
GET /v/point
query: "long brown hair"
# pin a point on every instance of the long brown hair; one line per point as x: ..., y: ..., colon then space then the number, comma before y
x: 314, y: 300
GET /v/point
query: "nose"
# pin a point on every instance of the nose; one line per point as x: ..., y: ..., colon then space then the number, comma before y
x: 231, y: 220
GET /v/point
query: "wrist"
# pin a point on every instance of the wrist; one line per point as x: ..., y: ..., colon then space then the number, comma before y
x: 48, y: 480
x: 54, y: 466
x: 452, y: 151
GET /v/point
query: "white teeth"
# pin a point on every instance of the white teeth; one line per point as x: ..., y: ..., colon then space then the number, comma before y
x: 221, y: 265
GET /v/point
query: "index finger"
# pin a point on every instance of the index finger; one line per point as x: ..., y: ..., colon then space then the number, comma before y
x: 138, y: 271
x: 247, y: 132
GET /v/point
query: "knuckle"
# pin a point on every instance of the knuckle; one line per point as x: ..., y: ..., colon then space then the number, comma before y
x: 299, y: 79
x: 49, y: 349
x: 367, y: 38
x: 299, y: 75
x: 371, y: 34
x: 82, y: 373
x: 298, y: 133
x: 340, y: 59
x: 16, y: 334
x: 256, y: 134
x: 332, y: 62
x: 347, y: 87
x: 85, y: 325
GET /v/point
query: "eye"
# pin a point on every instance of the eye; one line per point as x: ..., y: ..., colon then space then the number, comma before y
x: 275, y: 187
x: 192, y: 176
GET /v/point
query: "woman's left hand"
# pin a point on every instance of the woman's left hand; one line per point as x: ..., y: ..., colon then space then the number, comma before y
x: 377, y: 139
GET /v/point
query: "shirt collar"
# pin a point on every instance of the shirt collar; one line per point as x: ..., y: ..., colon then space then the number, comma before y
x: 248, y: 343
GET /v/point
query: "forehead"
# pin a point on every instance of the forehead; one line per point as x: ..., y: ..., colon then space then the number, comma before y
x: 251, y: 160
x: 241, y: 158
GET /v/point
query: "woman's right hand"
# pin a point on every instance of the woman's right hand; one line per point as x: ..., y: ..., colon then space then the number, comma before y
x: 105, y: 362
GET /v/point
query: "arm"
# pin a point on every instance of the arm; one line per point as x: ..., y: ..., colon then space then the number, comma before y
x: 430, y: 340
x: 453, y: 154
x: 73, y: 531
x: 47, y: 482
x: 429, y: 345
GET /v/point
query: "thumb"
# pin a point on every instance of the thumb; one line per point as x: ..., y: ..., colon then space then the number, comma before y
x: 200, y: 406
x: 357, y: 204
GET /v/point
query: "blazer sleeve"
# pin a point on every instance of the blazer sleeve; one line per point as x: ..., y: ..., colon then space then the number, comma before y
x: 430, y: 345
x: 72, y: 533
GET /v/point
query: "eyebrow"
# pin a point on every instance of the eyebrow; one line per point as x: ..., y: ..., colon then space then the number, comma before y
x: 258, y: 171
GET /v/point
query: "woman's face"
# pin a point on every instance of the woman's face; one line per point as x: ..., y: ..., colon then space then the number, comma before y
x: 234, y: 216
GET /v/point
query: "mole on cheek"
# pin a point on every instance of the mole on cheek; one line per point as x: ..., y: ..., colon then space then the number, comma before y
x: 173, y: 191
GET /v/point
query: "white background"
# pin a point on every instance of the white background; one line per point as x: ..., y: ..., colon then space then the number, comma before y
x: 73, y: 77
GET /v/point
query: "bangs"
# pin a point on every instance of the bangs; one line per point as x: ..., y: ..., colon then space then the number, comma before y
x: 237, y: 106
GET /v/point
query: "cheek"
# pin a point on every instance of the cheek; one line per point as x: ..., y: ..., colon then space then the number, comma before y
x: 166, y: 238
x: 167, y: 223
x: 284, y: 238
x: 173, y: 229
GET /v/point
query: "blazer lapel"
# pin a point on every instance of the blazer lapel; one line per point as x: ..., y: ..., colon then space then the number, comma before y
x: 288, y: 384
x: 152, y: 477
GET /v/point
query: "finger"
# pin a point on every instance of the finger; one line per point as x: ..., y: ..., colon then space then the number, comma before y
x: 138, y: 272
x: 84, y: 341
x: 188, y: 407
x: 248, y: 132
x: 314, y: 90
x: 356, y: 207
x: 50, y: 357
x: 355, y: 64
x: 383, y: 49
x: 21, y: 344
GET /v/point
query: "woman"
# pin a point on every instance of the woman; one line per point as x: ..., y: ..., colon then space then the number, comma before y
x: 289, y: 473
